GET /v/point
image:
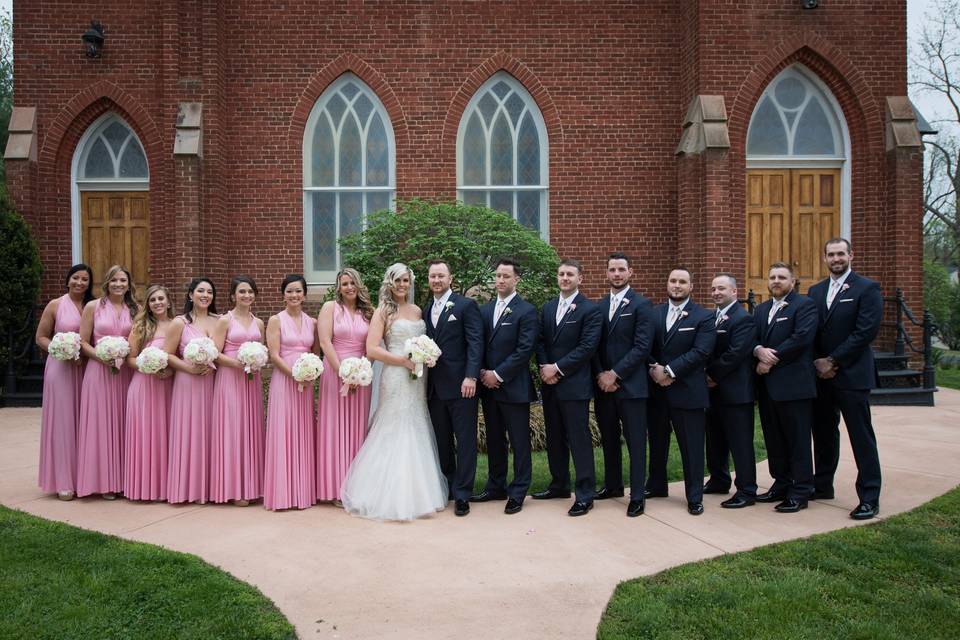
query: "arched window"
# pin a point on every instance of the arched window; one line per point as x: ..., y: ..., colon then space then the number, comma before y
x: 348, y: 171
x: 795, y: 118
x: 111, y: 152
x: 502, y: 153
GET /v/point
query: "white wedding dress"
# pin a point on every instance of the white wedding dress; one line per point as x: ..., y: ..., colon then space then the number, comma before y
x: 396, y: 474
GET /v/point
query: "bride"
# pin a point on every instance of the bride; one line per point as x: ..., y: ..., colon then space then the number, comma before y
x: 396, y: 475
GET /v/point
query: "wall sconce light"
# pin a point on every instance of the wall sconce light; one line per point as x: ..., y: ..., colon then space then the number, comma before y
x: 810, y: 4
x: 93, y: 40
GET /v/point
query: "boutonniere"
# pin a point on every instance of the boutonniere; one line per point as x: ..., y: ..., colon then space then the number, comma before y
x: 724, y: 318
x: 784, y: 303
x: 684, y: 314
x: 844, y: 287
x: 573, y: 308
x: 507, y: 311
x: 448, y: 306
x: 624, y: 302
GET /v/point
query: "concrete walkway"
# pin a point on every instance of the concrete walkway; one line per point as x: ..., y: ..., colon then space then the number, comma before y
x: 538, y: 574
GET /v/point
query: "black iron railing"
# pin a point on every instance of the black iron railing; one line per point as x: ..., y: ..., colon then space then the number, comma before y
x: 20, y: 348
x: 903, y: 340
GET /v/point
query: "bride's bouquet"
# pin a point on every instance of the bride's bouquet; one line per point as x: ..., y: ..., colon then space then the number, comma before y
x: 65, y: 346
x: 111, y: 350
x: 423, y: 351
x: 201, y: 351
x: 152, y: 360
x: 355, y: 372
x: 306, y: 369
x: 253, y: 356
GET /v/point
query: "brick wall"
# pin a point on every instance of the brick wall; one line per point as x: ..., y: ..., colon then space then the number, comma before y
x: 613, y: 80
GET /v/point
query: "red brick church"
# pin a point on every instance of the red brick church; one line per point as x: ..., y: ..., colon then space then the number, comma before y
x: 216, y: 137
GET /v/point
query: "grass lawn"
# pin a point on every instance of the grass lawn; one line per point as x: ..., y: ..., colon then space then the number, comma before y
x: 890, y: 580
x: 948, y: 377
x: 60, y: 582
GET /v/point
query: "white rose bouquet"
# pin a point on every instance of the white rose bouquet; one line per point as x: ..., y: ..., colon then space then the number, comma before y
x: 307, y: 368
x: 201, y: 351
x: 111, y: 350
x: 253, y: 356
x: 423, y: 351
x: 65, y: 346
x: 152, y: 360
x: 355, y: 372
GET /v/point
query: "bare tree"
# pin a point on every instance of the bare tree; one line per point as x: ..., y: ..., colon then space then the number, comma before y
x: 935, y: 69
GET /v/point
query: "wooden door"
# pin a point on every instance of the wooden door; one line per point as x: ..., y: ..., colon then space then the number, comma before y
x: 116, y: 230
x: 790, y: 214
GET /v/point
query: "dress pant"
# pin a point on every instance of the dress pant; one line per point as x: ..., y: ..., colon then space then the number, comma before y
x: 502, y: 419
x: 786, y: 431
x: 455, y: 426
x: 730, y: 432
x: 854, y: 405
x: 567, y: 424
x: 631, y: 413
x: 689, y: 425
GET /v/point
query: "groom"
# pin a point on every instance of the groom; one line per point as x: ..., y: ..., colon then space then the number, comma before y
x: 453, y: 322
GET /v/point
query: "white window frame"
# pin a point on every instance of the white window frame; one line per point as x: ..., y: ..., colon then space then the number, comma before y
x: 840, y: 161
x: 97, y: 184
x: 326, y: 277
x: 534, y: 109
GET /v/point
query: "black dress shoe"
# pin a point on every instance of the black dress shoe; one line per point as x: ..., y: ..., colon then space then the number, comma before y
x: 822, y: 494
x: 462, y: 508
x: 512, y: 506
x: 635, y: 508
x: 865, y: 511
x: 695, y: 508
x: 580, y: 508
x: 486, y: 496
x: 770, y: 496
x: 647, y: 493
x: 712, y: 488
x: 738, y: 502
x: 605, y: 493
x: 550, y: 494
x: 790, y: 505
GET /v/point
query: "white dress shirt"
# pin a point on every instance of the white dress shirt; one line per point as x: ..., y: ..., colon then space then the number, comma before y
x: 438, y: 304
x: 835, y: 285
x: 616, y: 298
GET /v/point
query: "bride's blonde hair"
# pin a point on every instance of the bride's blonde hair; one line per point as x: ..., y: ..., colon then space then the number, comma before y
x: 389, y: 306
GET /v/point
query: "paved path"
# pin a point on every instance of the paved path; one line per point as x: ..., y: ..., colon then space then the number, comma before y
x: 537, y: 574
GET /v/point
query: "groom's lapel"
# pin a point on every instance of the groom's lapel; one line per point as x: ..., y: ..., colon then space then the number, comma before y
x: 442, y: 320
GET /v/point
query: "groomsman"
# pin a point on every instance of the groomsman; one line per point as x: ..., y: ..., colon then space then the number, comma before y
x: 787, y: 326
x: 453, y: 322
x: 621, y: 375
x: 683, y: 341
x: 730, y: 379
x: 850, y: 309
x: 510, y: 330
x: 570, y: 328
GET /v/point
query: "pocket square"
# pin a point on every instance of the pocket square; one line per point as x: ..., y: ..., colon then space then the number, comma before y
x: 782, y: 319
x: 505, y: 324
x: 451, y: 318
x: 571, y: 322
x: 624, y: 315
x: 846, y: 300
x: 686, y: 329
x: 721, y: 330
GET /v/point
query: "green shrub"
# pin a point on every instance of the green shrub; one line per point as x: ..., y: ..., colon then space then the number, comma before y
x: 470, y: 238
x: 20, y: 270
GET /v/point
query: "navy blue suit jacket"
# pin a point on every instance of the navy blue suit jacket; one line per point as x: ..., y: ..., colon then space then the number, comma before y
x: 459, y: 334
x: 685, y: 349
x: 625, y: 343
x: 847, y: 328
x: 570, y: 345
x: 731, y: 364
x: 509, y: 346
x: 791, y: 333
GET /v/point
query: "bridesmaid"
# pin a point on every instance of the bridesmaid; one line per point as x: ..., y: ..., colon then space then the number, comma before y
x: 236, y: 453
x: 103, y: 396
x: 148, y: 403
x: 61, y: 387
x: 191, y: 404
x: 341, y: 419
x: 290, y: 465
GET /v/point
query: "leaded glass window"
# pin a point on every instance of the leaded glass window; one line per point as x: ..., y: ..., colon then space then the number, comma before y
x: 348, y: 171
x: 113, y: 152
x: 794, y: 118
x: 502, y: 153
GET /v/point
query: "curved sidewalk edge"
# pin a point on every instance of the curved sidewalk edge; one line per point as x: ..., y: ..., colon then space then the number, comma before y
x: 538, y: 573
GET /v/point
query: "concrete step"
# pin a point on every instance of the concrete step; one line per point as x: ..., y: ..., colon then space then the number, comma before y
x: 903, y: 396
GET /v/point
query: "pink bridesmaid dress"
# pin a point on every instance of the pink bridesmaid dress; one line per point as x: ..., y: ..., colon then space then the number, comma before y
x: 61, y: 409
x: 103, y: 399
x: 236, y: 448
x: 145, y: 438
x: 290, y: 466
x: 191, y: 410
x: 341, y: 420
